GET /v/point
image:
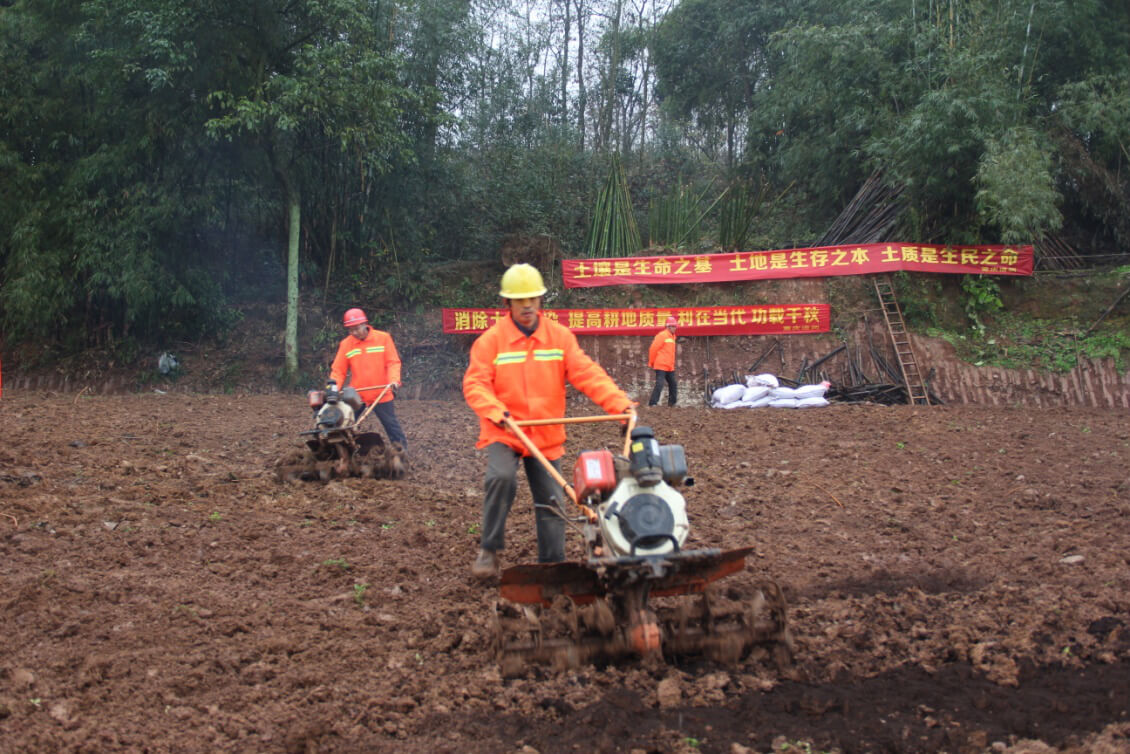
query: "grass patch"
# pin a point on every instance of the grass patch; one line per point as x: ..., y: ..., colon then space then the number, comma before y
x: 1017, y: 341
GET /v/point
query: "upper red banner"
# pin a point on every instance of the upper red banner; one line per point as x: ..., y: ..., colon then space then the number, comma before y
x: 823, y: 261
x: 697, y: 320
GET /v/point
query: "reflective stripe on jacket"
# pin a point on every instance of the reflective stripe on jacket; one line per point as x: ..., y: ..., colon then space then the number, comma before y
x: 661, y: 355
x: 526, y: 376
x: 372, y: 361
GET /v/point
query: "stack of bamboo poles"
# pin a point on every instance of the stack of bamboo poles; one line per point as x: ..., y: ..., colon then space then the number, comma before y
x: 613, y: 232
x: 1054, y: 253
x: 869, y: 216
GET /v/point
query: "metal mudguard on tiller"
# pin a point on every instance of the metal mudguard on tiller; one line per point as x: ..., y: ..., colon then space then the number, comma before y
x: 683, y: 572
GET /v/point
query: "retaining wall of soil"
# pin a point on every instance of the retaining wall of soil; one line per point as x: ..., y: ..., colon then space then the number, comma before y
x: 709, y: 361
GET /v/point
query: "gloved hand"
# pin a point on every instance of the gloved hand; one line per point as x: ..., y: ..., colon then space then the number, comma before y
x: 498, y: 421
x: 394, y: 388
x: 624, y: 424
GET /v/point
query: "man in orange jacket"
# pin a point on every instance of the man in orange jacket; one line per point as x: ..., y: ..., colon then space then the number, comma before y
x: 661, y: 358
x: 520, y: 365
x: 369, y: 356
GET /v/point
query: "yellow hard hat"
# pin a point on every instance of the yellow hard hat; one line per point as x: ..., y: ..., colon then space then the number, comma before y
x: 522, y: 281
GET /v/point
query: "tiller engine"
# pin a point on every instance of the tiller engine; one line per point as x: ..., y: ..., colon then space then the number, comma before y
x: 637, y: 592
x: 336, y: 448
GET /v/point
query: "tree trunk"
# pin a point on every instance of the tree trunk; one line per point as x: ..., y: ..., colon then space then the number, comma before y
x: 291, y: 342
x: 581, y: 98
x: 565, y: 67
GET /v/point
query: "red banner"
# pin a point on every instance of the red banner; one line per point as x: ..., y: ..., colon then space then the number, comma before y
x: 696, y: 320
x: 823, y: 261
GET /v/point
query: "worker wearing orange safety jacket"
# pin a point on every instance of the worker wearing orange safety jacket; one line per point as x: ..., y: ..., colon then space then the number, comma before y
x: 520, y: 365
x: 369, y: 357
x: 661, y: 358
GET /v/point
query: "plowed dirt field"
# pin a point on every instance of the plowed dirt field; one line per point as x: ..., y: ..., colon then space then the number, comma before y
x: 958, y: 580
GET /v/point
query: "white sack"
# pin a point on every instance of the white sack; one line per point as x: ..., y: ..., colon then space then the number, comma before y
x: 812, y: 391
x: 813, y: 402
x: 766, y: 380
x: 728, y: 394
x: 754, y: 393
x: 783, y: 403
x: 783, y: 392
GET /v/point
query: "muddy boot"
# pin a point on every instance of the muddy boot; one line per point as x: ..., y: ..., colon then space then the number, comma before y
x: 485, y: 566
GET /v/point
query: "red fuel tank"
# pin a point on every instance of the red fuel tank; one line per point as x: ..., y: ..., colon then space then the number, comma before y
x: 594, y: 474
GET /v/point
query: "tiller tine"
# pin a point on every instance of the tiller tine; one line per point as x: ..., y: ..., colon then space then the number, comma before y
x: 567, y: 614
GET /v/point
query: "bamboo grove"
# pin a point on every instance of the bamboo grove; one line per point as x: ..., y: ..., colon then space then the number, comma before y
x: 166, y: 163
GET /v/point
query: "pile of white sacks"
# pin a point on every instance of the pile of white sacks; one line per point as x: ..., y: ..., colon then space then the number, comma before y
x: 764, y: 390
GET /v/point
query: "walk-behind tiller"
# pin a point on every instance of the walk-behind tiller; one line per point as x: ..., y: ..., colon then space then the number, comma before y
x: 335, y: 447
x: 634, y: 525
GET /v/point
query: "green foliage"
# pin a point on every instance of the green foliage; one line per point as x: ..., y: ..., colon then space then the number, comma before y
x: 673, y: 219
x: 838, y: 66
x: 1022, y: 342
x: 919, y: 297
x: 136, y: 176
x: 738, y: 211
x: 149, y: 148
x: 409, y: 279
x: 1111, y: 345
x: 709, y: 57
x: 941, y: 101
x: 982, y: 295
x: 1096, y: 110
x: 1016, y: 190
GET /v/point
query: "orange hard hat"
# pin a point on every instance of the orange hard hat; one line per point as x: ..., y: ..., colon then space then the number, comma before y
x: 354, y: 317
x: 670, y: 321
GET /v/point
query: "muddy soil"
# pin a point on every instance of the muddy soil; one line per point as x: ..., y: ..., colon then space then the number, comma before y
x: 958, y: 580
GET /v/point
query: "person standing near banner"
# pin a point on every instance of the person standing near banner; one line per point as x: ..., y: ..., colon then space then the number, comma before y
x: 661, y: 358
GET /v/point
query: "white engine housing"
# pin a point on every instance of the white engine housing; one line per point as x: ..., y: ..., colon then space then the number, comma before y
x: 347, y: 415
x: 610, y: 524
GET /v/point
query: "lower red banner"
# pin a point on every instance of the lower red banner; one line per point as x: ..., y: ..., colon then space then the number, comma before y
x: 693, y: 320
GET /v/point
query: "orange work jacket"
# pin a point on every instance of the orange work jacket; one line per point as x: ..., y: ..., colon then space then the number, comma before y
x: 372, y: 361
x: 526, y: 376
x: 661, y: 355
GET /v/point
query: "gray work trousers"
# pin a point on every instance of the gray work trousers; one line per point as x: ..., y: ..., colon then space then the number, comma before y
x: 502, y: 485
x: 662, y: 376
x: 386, y: 412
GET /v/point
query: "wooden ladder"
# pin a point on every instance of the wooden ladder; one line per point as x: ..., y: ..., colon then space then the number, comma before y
x: 896, y: 326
